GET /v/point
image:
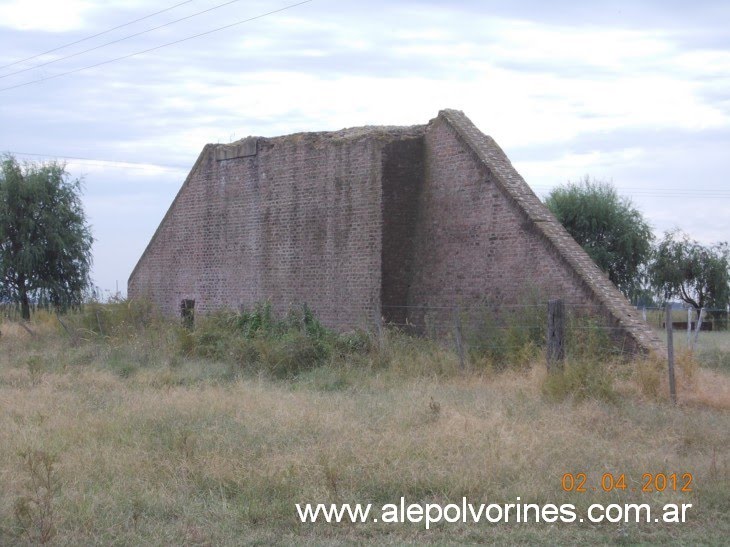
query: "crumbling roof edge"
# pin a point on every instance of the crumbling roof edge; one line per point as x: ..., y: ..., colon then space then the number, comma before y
x: 345, y: 134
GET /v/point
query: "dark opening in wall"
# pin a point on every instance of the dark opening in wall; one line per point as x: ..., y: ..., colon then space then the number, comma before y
x: 187, y: 313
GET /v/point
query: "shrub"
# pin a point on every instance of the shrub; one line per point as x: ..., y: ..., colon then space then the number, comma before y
x: 501, y: 339
x: 34, y: 510
x: 587, y: 338
x: 292, y: 353
x: 259, y: 341
x: 358, y: 341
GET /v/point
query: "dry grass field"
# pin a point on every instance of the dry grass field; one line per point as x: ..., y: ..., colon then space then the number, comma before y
x: 136, y: 436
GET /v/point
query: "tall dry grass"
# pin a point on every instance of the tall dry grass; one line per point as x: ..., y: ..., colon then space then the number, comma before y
x: 153, y: 447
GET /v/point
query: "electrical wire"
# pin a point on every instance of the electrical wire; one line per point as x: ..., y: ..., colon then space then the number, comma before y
x: 121, y: 163
x: 95, y: 35
x: 290, y: 6
x: 122, y: 39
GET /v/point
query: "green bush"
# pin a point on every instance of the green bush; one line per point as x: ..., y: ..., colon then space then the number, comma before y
x: 358, y: 341
x: 292, y: 353
x: 260, y: 341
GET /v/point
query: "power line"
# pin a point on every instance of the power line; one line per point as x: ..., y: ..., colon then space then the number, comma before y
x: 119, y: 39
x: 95, y: 35
x: 133, y: 164
x: 668, y: 192
x: 290, y: 6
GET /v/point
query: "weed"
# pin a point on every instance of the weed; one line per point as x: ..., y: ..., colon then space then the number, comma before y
x: 185, y: 444
x: 501, y: 339
x: 292, y: 353
x: 588, y: 338
x: 121, y: 364
x: 332, y: 476
x: 35, y: 369
x: 184, y: 341
x: 648, y: 376
x: 687, y: 365
x: 435, y: 409
x: 245, y: 353
x: 358, y: 341
x: 34, y: 511
x: 581, y: 379
x: 715, y: 357
x: 118, y: 317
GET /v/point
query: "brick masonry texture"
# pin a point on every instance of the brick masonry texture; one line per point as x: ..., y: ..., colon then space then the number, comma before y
x: 364, y: 222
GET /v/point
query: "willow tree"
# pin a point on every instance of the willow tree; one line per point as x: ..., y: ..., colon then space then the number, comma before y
x: 45, y: 241
x: 609, y: 228
x: 698, y: 274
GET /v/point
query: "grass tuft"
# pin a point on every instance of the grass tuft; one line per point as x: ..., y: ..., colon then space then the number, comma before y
x: 580, y: 379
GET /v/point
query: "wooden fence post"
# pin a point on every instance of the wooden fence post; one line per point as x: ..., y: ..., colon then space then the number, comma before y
x: 698, y: 327
x: 98, y: 323
x: 555, y: 335
x: 187, y: 313
x: 379, y: 329
x: 457, y: 338
x: 670, y: 353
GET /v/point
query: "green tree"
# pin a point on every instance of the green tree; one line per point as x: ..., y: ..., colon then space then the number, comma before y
x: 610, y: 229
x: 45, y: 242
x: 697, y: 274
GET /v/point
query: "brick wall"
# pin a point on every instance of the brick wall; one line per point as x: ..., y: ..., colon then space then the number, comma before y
x: 474, y: 243
x: 483, y: 235
x: 297, y: 219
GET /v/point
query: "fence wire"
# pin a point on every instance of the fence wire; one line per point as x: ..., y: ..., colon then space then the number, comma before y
x: 504, y: 332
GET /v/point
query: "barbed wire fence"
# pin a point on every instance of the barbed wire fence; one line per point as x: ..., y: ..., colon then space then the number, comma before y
x: 554, y: 328
x: 713, y: 319
x: 501, y: 332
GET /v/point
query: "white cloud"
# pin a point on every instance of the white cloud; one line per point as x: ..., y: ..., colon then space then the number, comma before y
x: 44, y: 15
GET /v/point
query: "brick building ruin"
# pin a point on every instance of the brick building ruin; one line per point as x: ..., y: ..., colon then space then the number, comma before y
x: 368, y: 221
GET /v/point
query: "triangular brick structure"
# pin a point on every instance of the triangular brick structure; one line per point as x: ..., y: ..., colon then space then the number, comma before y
x: 369, y: 221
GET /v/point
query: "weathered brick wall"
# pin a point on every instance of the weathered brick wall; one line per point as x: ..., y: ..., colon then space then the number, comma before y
x: 474, y: 244
x: 298, y: 220
x: 483, y: 236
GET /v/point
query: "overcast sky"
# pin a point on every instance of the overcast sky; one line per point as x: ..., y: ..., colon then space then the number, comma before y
x: 637, y: 93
